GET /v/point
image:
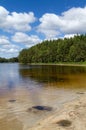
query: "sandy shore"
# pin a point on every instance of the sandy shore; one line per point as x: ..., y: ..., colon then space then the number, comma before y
x: 66, y: 110
x: 71, y: 117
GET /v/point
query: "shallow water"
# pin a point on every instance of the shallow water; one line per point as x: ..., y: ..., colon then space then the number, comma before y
x: 22, y: 87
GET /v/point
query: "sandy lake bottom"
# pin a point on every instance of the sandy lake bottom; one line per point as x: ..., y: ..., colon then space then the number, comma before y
x: 24, y: 110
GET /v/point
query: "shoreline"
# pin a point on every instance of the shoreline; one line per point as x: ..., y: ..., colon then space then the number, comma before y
x: 20, y: 109
x: 71, y: 117
x: 59, y: 64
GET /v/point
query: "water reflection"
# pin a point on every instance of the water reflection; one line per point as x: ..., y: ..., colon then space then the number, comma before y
x: 35, y: 85
x: 33, y: 76
x: 56, y: 76
x: 9, y: 77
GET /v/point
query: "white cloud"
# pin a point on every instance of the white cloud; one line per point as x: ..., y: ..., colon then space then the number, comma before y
x: 10, y: 21
x: 4, y: 40
x: 3, y: 12
x: 29, y: 41
x: 49, y: 25
x: 53, y: 26
x: 72, y: 21
x: 7, y: 49
x: 69, y: 35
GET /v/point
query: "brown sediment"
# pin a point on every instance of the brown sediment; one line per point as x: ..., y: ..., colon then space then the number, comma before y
x: 12, y: 100
x: 80, y: 93
x: 64, y: 123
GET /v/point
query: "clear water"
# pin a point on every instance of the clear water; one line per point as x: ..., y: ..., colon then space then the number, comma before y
x: 17, y: 76
x: 25, y: 86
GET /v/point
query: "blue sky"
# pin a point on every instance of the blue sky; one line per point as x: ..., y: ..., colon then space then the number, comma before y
x: 26, y: 23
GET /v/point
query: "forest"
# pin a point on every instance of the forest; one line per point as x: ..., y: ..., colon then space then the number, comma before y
x: 54, y: 51
x: 3, y: 60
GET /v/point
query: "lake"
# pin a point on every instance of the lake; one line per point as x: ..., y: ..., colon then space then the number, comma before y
x: 24, y: 86
x: 13, y: 76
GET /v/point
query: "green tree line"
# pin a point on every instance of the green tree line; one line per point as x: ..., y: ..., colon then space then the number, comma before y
x: 3, y: 60
x: 53, y: 51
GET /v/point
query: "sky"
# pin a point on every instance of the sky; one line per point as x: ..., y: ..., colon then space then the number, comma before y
x: 25, y: 23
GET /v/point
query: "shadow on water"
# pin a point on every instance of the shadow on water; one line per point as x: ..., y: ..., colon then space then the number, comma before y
x: 56, y: 76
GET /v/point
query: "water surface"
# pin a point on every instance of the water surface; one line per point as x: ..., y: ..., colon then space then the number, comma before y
x: 25, y: 86
x: 17, y: 76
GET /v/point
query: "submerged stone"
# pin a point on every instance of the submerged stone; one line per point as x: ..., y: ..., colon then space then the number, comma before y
x: 12, y: 100
x: 41, y: 108
x: 64, y: 123
x: 38, y: 109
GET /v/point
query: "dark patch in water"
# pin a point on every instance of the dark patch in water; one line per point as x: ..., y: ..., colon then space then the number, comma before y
x: 64, y: 123
x: 42, y: 108
x: 80, y: 92
x: 38, y: 109
x: 12, y: 100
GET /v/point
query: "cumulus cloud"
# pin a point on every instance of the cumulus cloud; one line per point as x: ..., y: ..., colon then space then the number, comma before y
x: 7, y: 49
x: 4, y: 40
x: 29, y: 41
x: 10, y: 21
x: 69, y: 22
x: 48, y: 25
x: 53, y: 26
x: 70, y: 35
